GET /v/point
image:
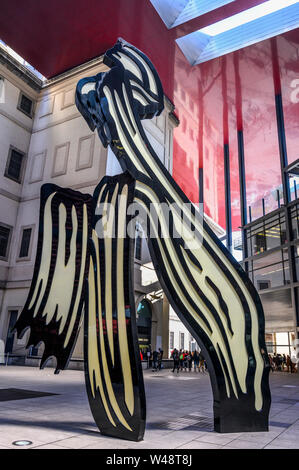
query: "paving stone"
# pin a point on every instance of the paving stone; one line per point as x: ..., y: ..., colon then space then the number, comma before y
x: 243, y: 444
x: 213, y: 438
x: 179, y: 413
x: 79, y: 442
x: 48, y: 446
x: 199, y: 445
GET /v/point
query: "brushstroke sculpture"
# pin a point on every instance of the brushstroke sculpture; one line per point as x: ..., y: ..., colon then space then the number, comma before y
x: 77, y: 270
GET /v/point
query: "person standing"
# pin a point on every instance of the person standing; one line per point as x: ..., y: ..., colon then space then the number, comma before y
x: 148, y: 354
x: 176, y: 360
x: 201, y: 363
x: 185, y: 360
x: 271, y: 363
x: 160, y: 357
x: 284, y: 361
x: 181, y: 359
x: 196, y: 360
x: 155, y: 361
x: 190, y: 360
x: 276, y: 361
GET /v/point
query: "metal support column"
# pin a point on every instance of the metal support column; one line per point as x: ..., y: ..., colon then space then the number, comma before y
x: 287, y: 199
x: 242, y: 194
x: 228, y: 217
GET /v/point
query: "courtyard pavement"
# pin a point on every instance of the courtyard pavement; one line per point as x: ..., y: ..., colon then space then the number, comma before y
x: 179, y: 413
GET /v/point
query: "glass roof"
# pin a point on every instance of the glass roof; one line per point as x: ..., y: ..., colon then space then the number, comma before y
x: 176, y: 12
x: 249, y: 27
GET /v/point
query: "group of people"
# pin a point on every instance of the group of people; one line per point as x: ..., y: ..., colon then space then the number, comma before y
x: 157, y: 360
x: 154, y: 359
x: 184, y: 360
x: 187, y: 360
x: 281, y: 362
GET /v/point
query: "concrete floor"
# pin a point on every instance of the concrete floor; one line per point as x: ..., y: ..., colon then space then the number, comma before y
x: 179, y: 413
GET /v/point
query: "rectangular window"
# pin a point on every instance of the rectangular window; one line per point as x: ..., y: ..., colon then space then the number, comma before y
x: 2, y: 90
x: 138, y: 247
x: 138, y: 241
x: 25, y: 243
x: 274, y: 275
x: 5, y: 234
x: 263, y: 285
x: 13, y: 315
x: 25, y: 105
x: 171, y: 340
x: 260, y: 242
x: 182, y: 340
x: 14, y: 165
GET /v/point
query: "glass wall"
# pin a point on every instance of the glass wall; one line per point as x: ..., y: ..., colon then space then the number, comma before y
x: 278, y: 310
x: 262, y: 158
x: 280, y: 343
x: 287, y: 47
x: 213, y: 140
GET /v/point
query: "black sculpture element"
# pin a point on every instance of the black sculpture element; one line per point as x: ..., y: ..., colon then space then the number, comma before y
x: 205, y: 285
x: 113, y: 370
x: 55, y: 301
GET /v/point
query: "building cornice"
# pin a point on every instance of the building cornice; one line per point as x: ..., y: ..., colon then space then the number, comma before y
x: 20, y: 71
x: 38, y: 85
x: 79, y: 69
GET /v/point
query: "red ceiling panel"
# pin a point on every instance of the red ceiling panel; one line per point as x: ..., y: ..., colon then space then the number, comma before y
x: 56, y: 35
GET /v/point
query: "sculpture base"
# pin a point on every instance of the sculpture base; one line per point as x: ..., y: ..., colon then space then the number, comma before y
x: 234, y: 415
x: 125, y: 436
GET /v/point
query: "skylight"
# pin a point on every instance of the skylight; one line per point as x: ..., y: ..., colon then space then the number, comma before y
x: 176, y: 12
x: 246, y: 16
x: 246, y: 28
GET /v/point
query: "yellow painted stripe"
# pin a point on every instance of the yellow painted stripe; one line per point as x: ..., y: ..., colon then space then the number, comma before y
x: 108, y: 268
x: 93, y: 353
x: 121, y: 316
x: 81, y: 275
x: 109, y: 387
x: 44, y: 268
x: 61, y: 289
